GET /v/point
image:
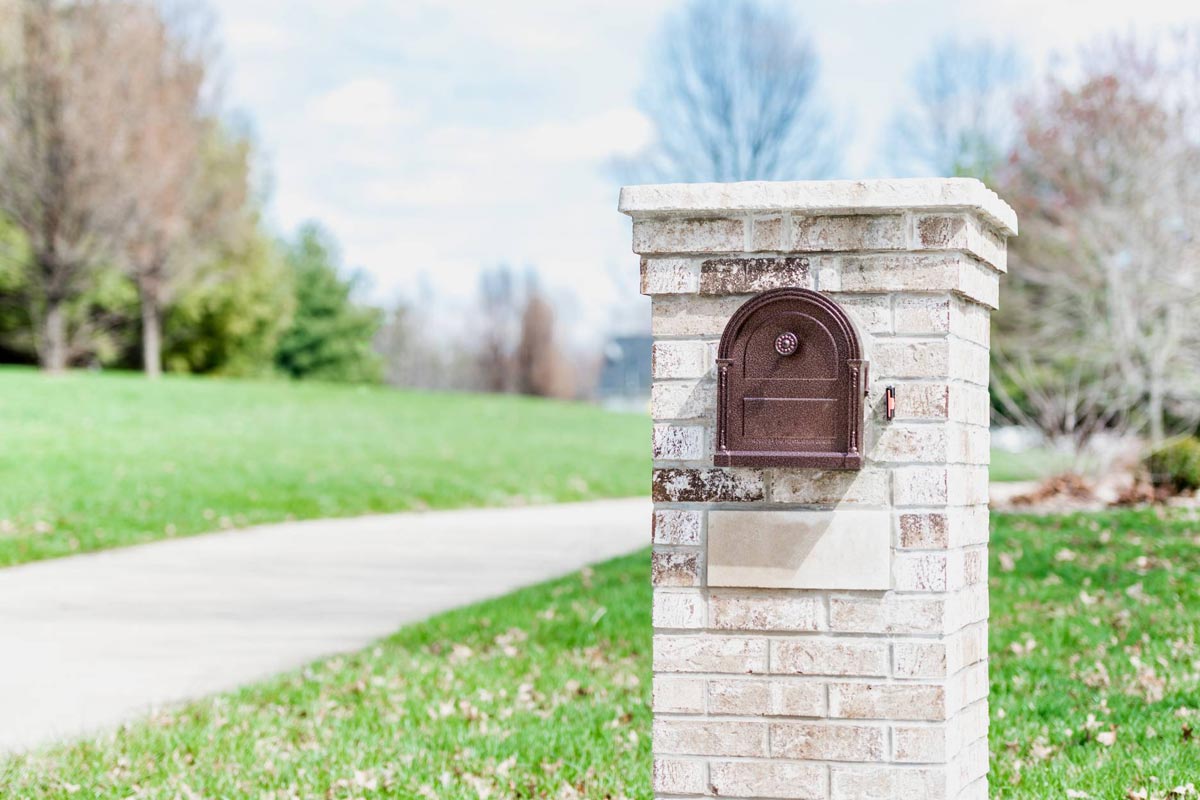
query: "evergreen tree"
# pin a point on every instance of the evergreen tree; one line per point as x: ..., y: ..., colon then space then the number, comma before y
x: 330, y: 336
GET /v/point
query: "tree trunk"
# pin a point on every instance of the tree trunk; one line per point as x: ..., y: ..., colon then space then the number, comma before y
x: 54, y: 337
x: 1156, y: 411
x: 151, y: 330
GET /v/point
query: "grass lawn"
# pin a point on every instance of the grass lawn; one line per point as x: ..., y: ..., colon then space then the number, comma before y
x: 1028, y: 465
x: 1095, y: 666
x: 1095, y: 689
x: 93, y: 461
x: 544, y: 693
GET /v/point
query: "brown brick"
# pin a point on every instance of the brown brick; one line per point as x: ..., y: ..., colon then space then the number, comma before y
x: 675, y: 568
x: 740, y: 275
x: 707, y: 485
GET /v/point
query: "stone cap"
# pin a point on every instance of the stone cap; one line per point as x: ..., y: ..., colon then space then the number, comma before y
x: 821, y: 197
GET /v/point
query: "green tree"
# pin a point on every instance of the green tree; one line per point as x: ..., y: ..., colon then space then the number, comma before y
x: 228, y: 319
x: 330, y: 337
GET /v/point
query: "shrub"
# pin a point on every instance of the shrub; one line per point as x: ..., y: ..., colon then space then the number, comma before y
x: 1176, y: 464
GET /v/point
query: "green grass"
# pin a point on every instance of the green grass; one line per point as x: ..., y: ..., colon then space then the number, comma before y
x: 544, y: 693
x: 90, y: 461
x: 1095, y: 620
x: 1028, y: 465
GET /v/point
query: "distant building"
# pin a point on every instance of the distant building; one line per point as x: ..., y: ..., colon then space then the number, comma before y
x: 625, y: 375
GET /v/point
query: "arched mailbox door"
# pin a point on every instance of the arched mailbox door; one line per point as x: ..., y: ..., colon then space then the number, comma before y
x: 791, y: 382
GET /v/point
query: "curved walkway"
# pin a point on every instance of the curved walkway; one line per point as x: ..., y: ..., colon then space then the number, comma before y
x: 89, y: 641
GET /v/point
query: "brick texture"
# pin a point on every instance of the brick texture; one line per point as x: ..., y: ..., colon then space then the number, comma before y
x: 785, y: 668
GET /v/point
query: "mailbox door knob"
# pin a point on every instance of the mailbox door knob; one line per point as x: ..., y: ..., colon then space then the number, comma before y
x: 786, y: 344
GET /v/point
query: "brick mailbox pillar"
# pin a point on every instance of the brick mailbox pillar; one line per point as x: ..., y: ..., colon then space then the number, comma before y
x: 821, y: 604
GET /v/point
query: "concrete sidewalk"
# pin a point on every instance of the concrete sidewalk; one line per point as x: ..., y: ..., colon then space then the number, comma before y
x: 89, y: 641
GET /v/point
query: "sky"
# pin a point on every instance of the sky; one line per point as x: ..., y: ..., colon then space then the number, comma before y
x: 436, y: 138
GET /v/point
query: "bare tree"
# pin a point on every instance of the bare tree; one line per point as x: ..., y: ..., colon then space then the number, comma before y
x: 500, y: 307
x: 960, y: 121
x: 1097, y: 330
x: 734, y: 98
x: 62, y: 119
x: 540, y: 366
x: 171, y: 207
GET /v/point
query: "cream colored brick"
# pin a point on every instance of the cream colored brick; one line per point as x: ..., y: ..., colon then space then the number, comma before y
x: 922, y: 486
x: 968, y: 485
x: 901, y: 272
x: 768, y: 779
x: 927, y: 572
x: 710, y: 738
x: 927, y: 744
x: 961, y: 232
x: 889, y: 783
x: 906, y: 701
x: 813, y: 655
x: 767, y: 233
x: 693, y: 315
x: 823, y: 741
x: 678, y: 694
x: 918, y: 401
x: 912, y: 358
x: 707, y: 653
x: 870, y: 313
x: 739, y: 697
x: 705, y: 235
x: 683, y: 400
x: 969, y: 444
x: 971, y: 764
x: 969, y: 362
x: 842, y: 549
x: 969, y: 404
x: 887, y: 614
x: 922, y: 314
x: 679, y: 442
x: 970, y: 321
x: 978, y: 283
x: 672, y: 526
x: 922, y: 444
x: 670, y: 276
x: 797, y: 698
x: 923, y: 530
x: 848, y: 232
x: 680, y: 776
x: 678, y: 610
x: 829, y: 278
x: 830, y: 487
x: 920, y: 659
x: 765, y: 612
x: 684, y: 358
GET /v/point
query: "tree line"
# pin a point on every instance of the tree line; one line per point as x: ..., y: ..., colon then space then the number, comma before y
x: 130, y: 221
x: 1100, y: 157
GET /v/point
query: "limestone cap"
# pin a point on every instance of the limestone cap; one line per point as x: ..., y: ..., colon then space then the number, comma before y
x: 818, y: 197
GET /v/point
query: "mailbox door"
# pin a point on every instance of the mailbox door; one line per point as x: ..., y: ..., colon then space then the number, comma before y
x: 790, y: 373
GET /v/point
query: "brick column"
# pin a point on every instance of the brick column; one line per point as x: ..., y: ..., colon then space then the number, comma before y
x: 822, y: 633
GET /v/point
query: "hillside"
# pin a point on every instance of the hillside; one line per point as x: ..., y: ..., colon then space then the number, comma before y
x: 92, y: 461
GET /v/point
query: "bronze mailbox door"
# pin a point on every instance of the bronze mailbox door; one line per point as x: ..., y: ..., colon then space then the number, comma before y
x: 790, y: 384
